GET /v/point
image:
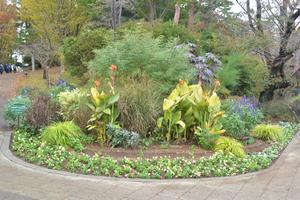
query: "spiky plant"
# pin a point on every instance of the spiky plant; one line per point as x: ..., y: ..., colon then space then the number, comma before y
x: 230, y: 145
x: 62, y: 133
x: 268, y: 132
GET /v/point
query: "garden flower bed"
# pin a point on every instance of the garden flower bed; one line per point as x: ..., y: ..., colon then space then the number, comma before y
x: 30, y: 148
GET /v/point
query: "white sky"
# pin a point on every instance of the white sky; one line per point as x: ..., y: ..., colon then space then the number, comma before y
x: 235, y: 8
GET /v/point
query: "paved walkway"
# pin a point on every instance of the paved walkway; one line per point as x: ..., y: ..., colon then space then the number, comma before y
x: 19, y: 180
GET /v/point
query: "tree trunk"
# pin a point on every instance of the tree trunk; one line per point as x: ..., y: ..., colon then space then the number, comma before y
x: 152, y: 11
x: 32, y: 63
x: 277, y: 79
x: 177, y: 13
x: 113, y: 15
x: 48, y: 77
x: 191, y: 19
x: 120, y: 10
x: 44, y: 74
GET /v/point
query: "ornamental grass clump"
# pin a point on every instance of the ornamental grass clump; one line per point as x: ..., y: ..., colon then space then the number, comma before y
x: 230, y: 145
x: 139, y: 105
x: 62, y: 134
x: 268, y: 132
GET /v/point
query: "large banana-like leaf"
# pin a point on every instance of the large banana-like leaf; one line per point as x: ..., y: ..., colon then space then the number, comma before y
x: 182, y: 88
x: 168, y: 104
x: 159, y: 122
x: 95, y: 95
x: 176, y: 117
x: 174, y: 95
x: 113, y: 99
x: 181, y: 123
x: 197, y: 93
x: 214, y: 103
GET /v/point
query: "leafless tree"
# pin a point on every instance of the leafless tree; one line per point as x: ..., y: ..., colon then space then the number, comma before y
x: 284, y: 17
x: 42, y: 52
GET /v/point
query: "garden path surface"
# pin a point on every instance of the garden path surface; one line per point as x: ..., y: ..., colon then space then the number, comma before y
x: 19, y: 180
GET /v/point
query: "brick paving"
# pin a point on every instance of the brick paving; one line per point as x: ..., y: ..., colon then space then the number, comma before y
x: 19, y: 180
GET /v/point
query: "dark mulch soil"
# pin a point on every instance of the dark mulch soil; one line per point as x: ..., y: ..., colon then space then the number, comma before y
x: 183, y: 150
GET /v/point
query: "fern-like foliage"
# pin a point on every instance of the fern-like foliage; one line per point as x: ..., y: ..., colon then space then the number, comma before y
x: 230, y: 145
x: 62, y: 133
x: 268, y: 132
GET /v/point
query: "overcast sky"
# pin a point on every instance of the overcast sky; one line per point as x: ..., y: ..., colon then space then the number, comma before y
x: 235, y: 8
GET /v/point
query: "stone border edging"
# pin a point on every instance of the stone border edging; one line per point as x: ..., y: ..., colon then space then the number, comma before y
x: 6, y: 152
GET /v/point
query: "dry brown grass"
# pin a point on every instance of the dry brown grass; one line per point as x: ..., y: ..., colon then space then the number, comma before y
x: 35, y: 79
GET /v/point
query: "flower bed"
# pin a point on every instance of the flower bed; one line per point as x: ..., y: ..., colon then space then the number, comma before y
x: 30, y: 148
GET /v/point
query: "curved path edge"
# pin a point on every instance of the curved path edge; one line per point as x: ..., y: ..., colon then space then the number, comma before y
x: 6, y: 152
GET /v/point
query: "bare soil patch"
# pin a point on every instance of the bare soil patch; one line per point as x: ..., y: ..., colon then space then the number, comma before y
x: 173, y: 151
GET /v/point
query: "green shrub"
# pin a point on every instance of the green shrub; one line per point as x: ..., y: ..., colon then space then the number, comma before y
x: 205, y: 139
x: 268, y: 132
x: 133, y: 27
x: 208, y: 40
x: 246, y: 108
x: 169, y: 31
x: 78, y: 51
x: 277, y: 110
x: 243, y: 74
x: 62, y: 133
x: 234, y: 126
x: 229, y: 145
x: 69, y: 102
x: 16, y: 109
x: 119, y: 137
x: 43, y: 112
x: 137, y: 56
x: 139, y: 105
x: 56, y: 90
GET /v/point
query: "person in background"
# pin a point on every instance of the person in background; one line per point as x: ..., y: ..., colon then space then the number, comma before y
x: 19, y: 69
x: 14, y: 67
x: 1, y: 69
x: 6, y: 69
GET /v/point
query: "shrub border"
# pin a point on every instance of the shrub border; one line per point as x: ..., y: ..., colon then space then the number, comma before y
x: 7, y: 153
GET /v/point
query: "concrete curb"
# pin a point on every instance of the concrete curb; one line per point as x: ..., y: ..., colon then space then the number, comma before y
x: 9, y: 156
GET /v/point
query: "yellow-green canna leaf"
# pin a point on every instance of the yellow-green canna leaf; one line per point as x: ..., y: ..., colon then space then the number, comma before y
x: 95, y: 95
x: 214, y: 103
x: 181, y: 123
x: 174, y: 95
x: 197, y: 93
x: 168, y: 104
x: 159, y: 122
x: 182, y: 88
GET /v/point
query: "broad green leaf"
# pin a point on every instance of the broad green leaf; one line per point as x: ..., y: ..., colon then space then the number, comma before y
x: 113, y: 99
x: 107, y: 111
x: 176, y: 117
